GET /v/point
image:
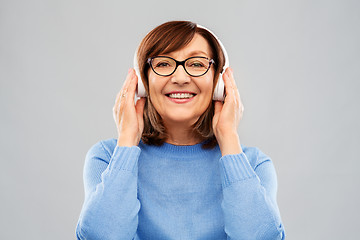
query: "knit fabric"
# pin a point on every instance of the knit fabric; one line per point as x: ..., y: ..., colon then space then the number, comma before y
x: 178, y: 192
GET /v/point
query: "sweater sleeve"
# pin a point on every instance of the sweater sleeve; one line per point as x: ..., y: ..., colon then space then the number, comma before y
x: 110, y: 209
x: 249, y: 198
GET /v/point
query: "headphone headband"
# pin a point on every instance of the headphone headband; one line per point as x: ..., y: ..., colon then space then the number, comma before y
x: 226, y: 65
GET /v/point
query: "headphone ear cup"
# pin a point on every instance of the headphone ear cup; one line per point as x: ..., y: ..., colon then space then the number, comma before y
x: 140, y: 89
x: 219, y: 91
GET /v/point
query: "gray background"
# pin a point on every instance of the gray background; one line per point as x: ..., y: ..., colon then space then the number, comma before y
x: 296, y: 64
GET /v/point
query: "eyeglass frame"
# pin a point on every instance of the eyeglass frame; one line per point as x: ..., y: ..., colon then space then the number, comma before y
x: 182, y: 63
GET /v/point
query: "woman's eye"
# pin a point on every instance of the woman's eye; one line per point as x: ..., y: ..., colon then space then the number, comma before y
x: 163, y: 64
x: 196, y: 64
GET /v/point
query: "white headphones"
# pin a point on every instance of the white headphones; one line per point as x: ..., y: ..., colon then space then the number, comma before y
x: 219, y: 91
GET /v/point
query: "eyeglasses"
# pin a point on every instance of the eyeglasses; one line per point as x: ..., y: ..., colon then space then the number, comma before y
x: 166, y: 66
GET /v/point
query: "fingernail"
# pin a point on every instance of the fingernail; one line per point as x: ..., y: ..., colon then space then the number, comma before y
x: 129, y: 70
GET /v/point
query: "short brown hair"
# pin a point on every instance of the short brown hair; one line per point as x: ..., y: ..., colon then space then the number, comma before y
x: 163, y: 39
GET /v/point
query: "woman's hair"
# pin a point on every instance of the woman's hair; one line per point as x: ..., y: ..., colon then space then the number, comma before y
x: 166, y: 38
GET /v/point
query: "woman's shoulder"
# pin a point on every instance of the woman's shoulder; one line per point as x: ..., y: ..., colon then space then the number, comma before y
x: 255, y: 155
x: 102, y: 149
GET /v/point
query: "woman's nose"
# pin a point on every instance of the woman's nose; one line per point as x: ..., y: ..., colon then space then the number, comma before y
x: 180, y: 76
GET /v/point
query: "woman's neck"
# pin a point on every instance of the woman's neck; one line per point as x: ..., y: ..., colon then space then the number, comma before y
x: 181, y: 135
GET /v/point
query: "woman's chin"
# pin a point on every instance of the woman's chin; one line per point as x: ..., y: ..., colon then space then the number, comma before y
x: 180, y: 119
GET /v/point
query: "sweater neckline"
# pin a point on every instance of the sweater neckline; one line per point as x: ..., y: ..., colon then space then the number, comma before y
x: 178, y: 151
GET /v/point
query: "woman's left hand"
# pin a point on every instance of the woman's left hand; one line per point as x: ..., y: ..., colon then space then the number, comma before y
x: 227, y: 117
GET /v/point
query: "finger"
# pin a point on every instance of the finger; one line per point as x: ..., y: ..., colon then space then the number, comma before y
x: 234, y: 87
x: 132, y: 85
x: 128, y: 79
x: 123, y: 102
x: 139, y: 107
x: 236, y: 90
x: 116, y: 104
x: 128, y: 97
x: 117, y: 110
x: 226, y: 82
x: 231, y: 75
x: 217, y: 109
x: 117, y: 99
x: 228, y: 87
x: 123, y: 89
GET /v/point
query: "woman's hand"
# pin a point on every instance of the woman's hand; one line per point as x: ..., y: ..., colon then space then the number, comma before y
x: 227, y: 117
x: 128, y: 116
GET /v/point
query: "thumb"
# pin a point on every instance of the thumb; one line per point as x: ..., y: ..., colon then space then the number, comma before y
x: 139, y: 107
x: 218, y: 107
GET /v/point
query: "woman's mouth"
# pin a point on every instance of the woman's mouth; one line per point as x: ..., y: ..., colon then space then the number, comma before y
x: 181, y: 97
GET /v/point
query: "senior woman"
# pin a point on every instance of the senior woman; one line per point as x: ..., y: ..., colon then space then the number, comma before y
x: 177, y: 169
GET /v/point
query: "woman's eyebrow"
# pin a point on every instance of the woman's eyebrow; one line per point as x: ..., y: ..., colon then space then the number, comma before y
x: 190, y: 54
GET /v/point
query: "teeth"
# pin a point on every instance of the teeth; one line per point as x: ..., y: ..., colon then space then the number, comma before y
x: 181, y: 95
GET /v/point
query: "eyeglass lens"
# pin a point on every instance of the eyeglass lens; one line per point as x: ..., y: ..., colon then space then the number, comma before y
x: 194, y: 66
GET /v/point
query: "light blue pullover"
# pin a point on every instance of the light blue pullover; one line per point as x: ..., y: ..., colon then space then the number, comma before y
x: 178, y: 192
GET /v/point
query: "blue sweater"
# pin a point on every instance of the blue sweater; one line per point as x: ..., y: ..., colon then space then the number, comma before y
x: 178, y: 192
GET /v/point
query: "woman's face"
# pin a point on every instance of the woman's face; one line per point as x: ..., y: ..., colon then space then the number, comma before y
x: 197, y: 91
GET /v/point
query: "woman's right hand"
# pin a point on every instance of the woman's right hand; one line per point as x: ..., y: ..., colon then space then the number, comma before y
x: 128, y: 116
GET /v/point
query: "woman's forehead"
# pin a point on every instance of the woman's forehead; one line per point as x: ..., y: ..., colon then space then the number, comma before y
x: 198, y: 46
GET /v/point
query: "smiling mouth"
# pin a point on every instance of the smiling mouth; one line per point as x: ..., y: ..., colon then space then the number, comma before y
x: 180, y: 95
